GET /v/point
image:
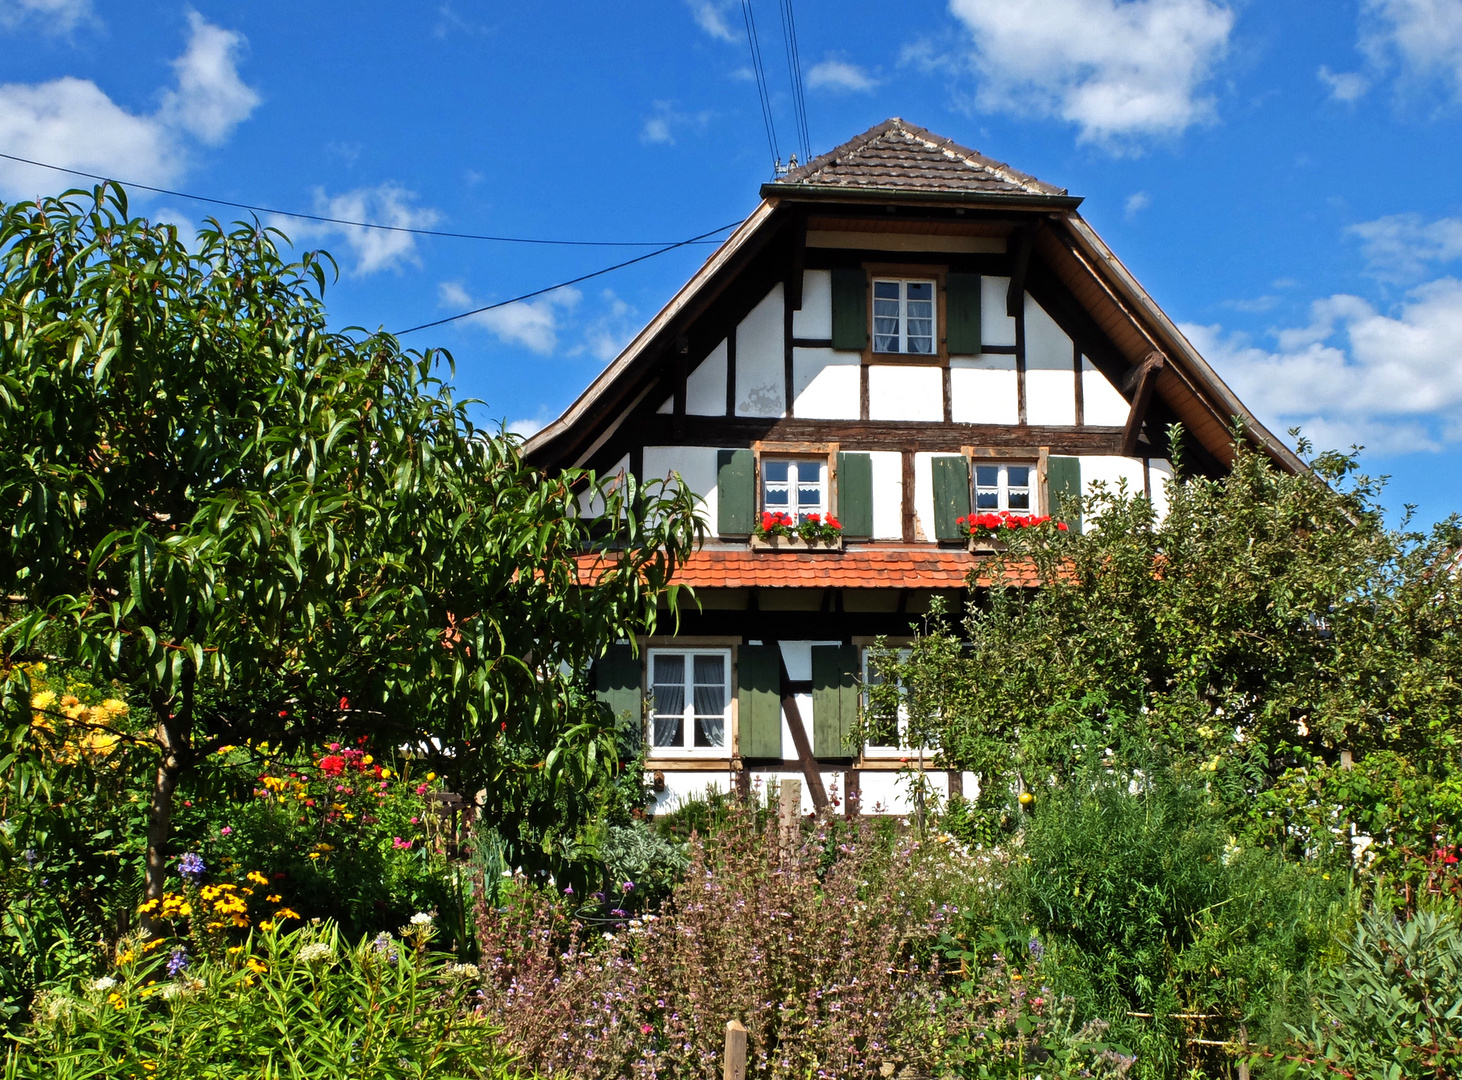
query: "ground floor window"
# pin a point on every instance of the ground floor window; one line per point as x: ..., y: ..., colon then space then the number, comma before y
x: 887, y: 729
x: 690, y: 692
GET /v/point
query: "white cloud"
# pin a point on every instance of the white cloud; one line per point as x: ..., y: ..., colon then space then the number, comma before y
x: 1389, y: 381
x: 73, y: 123
x: 833, y: 74
x: 374, y: 249
x: 1398, y: 247
x: 710, y: 16
x: 48, y: 16
x: 530, y: 425
x: 211, y: 100
x: 1137, y: 202
x: 1120, y: 70
x: 1423, y: 36
x: 534, y: 324
x: 666, y: 120
x: 1346, y: 86
x: 606, y: 336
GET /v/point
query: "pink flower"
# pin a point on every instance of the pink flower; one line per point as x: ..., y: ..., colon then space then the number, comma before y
x: 416, y: 821
x: 421, y: 789
x: 225, y: 830
x: 645, y: 1029
x: 400, y: 844
x: 334, y: 746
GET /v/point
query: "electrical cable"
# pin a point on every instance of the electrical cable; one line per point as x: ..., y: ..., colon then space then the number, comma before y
x: 794, y: 72
x: 344, y: 221
x: 762, y: 90
x: 565, y: 284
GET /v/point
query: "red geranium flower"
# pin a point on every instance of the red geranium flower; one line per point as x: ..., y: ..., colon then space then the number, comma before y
x: 332, y: 765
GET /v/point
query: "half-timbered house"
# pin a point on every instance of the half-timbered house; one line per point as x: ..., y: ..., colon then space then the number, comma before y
x: 903, y: 331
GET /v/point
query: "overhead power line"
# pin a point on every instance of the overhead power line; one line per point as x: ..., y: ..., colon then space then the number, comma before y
x: 763, y: 91
x: 794, y: 73
x: 355, y: 224
x: 565, y: 284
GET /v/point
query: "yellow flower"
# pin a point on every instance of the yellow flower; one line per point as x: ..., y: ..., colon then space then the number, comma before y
x: 149, y: 1066
x: 431, y: 776
x: 155, y: 943
x: 273, y: 899
x: 385, y: 774
x: 324, y: 847
x: 44, y: 700
x: 115, y: 707
x: 367, y: 760
x: 233, y: 949
x: 267, y: 924
x: 70, y: 699
x: 117, y: 1001
x: 348, y: 817
x: 241, y: 920
x: 257, y: 966
x: 314, y: 854
x: 287, y: 913
x: 223, y: 750
x: 146, y: 992
x: 125, y: 956
x: 257, y: 878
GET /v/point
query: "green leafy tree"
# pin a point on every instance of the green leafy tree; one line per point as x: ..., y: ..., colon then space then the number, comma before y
x: 276, y: 532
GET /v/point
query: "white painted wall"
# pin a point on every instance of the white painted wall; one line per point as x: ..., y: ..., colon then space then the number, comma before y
x: 1111, y: 471
x: 591, y: 505
x: 705, y: 387
x: 760, y: 359
x: 982, y: 390
x: 825, y: 384
x: 1102, y: 405
x: 667, y: 406
x: 924, y: 496
x: 815, y: 319
x: 1160, y: 473
x: 888, y: 495
x: 996, y: 327
x: 1050, y: 377
x: 888, y: 792
x: 697, y: 467
x: 879, y: 792
x: 685, y: 787
x: 905, y: 392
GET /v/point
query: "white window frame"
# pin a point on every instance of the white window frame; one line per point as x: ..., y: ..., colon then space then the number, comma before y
x: 688, y: 719
x: 1002, y: 488
x: 794, y: 480
x: 902, y: 750
x: 903, y: 316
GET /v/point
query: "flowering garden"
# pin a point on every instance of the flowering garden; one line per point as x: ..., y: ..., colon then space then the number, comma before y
x: 303, y: 772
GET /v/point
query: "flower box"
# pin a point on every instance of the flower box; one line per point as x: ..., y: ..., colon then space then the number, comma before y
x: 985, y: 545
x: 794, y: 543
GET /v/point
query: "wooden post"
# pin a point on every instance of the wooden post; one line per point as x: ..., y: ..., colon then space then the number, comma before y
x: 1244, y: 1050
x: 735, y: 1064
x: 789, y: 811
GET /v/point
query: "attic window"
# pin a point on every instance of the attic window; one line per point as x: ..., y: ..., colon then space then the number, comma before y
x: 1003, y: 487
x: 794, y: 486
x: 903, y: 316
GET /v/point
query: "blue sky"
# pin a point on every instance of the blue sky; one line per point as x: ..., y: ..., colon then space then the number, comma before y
x: 1282, y: 177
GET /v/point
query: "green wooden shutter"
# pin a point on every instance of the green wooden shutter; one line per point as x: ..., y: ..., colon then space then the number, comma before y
x: 951, y: 495
x: 850, y: 309
x: 962, y: 314
x: 855, y: 495
x: 617, y: 681
x: 834, y: 699
x: 759, y: 701
x: 735, y: 492
x: 1063, y: 482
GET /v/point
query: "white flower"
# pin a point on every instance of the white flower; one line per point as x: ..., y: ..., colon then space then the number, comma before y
x: 462, y: 971
x: 421, y: 918
x: 317, y: 953
x: 106, y: 982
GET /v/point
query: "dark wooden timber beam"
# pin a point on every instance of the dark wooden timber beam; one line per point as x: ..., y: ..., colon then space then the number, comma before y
x: 1143, y: 378
x: 1021, y: 244
x: 799, y: 735
x: 680, y: 363
x: 799, y: 263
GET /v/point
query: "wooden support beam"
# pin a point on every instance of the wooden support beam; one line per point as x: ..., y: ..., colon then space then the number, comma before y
x: 799, y: 263
x: 1021, y: 244
x: 1144, y: 377
x: 799, y: 735
x: 680, y: 364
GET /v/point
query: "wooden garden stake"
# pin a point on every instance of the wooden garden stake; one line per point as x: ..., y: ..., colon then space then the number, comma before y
x: 735, y: 1065
x: 789, y: 811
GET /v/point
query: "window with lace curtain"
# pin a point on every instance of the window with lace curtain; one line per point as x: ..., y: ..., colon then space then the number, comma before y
x: 690, y: 692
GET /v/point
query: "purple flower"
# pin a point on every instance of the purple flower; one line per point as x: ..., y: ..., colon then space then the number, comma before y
x: 178, y: 961
x: 628, y: 886
x: 191, y: 866
x: 1037, y: 950
x: 568, y: 890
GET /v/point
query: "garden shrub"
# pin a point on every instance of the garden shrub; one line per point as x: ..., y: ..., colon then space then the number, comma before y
x: 1393, y: 1008
x: 303, y: 1005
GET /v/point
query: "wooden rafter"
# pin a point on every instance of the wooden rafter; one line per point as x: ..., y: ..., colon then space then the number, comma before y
x: 1141, y: 381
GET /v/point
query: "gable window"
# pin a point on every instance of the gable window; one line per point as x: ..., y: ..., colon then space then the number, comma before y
x: 690, y: 692
x: 1003, y: 487
x: 903, y: 316
x: 796, y: 487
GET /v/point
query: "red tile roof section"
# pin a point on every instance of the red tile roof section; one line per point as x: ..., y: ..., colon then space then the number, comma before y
x: 859, y: 568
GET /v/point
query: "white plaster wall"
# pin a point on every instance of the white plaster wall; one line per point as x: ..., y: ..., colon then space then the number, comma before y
x: 996, y: 327
x: 1160, y: 473
x: 815, y: 319
x: 924, y: 496
x: 1101, y: 403
x: 1111, y: 471
x: 760, y: 359
x: 667, y: 406
x: 797, y: 655
x: 888, y: 792
x: 684, y: 787
x: 1050, y: 378
x: 982, y: 390
x: 591, y: 505
x: 905, y: 392
x: 705, y: 387
x: 888, y: 495
x: 697, y: 467
x: 825, y: 384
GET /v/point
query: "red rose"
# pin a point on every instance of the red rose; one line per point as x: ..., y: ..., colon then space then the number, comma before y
x: 332, y: 765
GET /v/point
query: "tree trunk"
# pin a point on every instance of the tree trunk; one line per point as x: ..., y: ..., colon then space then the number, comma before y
x: 172, y: 737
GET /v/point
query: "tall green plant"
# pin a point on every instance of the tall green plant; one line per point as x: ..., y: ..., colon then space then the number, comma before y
x: 275, y: 531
